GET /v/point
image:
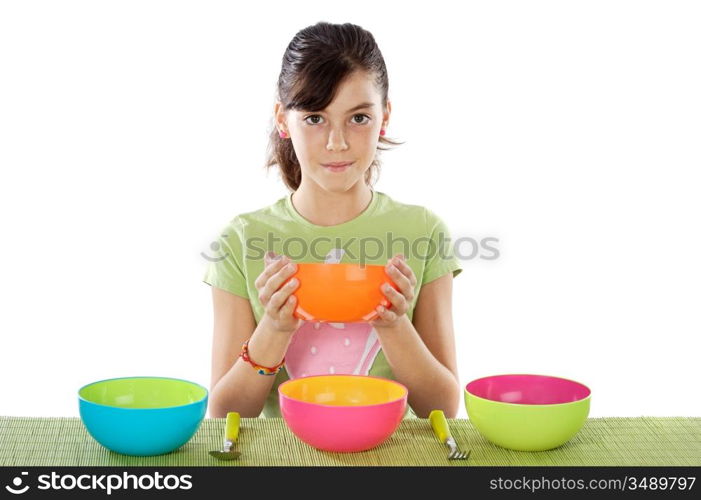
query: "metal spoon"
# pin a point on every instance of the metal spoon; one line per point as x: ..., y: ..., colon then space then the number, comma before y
x: 230, y: 437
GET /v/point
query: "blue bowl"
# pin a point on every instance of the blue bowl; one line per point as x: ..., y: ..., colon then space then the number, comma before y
x: 142, y: 416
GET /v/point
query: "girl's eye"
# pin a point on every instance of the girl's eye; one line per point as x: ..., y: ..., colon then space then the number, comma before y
x: 362, y: 116
x: 317, y: 117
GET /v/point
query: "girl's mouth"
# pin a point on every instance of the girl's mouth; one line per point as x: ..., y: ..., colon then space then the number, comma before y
x: 339, y: 168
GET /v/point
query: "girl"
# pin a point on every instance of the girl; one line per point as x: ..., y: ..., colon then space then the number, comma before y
x: 331, y: 112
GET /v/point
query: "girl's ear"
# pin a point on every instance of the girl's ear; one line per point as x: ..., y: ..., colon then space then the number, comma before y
x: 385, y: 115
x: 279, y: 117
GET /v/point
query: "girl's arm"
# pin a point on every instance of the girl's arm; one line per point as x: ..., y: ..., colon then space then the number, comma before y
x: 235, y: 385
x: 422, y: 355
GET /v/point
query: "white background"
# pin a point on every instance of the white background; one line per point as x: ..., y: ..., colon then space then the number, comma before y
x: 131, y: 131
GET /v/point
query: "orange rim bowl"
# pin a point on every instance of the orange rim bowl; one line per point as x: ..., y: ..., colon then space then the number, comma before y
x: 342, y: 293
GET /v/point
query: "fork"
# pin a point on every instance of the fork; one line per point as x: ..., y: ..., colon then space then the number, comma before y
x: 441, y: 430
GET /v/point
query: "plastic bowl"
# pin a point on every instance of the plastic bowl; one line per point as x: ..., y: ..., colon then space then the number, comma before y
x: 142, y: 416
x: 342, y: 413
x: 527, y: 412
x: 339, y: 293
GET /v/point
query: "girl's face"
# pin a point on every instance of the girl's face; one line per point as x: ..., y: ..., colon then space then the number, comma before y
x: 346, y: 131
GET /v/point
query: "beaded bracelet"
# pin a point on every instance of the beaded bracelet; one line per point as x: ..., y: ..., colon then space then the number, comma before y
x: 262, y: 370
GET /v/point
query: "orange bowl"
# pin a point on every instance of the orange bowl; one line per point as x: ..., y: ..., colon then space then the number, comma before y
x: 340, y: 293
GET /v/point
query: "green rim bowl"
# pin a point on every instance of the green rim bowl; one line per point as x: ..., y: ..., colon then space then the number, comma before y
x: 142, y: 416
x: 526, y: 412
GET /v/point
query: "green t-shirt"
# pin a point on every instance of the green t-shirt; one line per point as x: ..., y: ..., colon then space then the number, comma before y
x: 386, y: 227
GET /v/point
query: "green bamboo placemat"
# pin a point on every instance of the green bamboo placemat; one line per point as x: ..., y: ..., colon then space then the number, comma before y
x: 26, y: 441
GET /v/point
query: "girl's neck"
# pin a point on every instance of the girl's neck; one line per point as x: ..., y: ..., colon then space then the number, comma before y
x: 325, y: 208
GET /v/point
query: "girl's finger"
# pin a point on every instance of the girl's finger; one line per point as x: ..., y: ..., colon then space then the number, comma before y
x: 276, y: 280
x: 397, y: 275
x: 397, y: 300
x: 386, y: 314
x: 405, y: 288
x: 406, y: 270
x: 290, y: 304
x: 279, y: 298
x: 271, y: 267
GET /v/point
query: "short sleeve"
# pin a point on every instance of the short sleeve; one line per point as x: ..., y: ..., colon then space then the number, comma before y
x: 440, y: 254
x: 225, y: 268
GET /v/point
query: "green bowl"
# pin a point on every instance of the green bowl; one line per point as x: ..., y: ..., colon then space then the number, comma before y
x: 527, y: 412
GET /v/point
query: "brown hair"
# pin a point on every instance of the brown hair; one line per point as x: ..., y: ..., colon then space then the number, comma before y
x: 315, y: 63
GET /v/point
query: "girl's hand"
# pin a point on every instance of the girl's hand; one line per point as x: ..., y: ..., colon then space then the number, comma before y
x: 279, y: 302
x: 404, y: 278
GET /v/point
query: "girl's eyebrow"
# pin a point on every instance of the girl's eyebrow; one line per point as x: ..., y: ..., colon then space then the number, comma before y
x: 361, y: 106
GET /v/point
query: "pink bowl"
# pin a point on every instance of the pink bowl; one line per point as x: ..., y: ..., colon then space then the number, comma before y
x: 528, y: 389
x: 342, y: 413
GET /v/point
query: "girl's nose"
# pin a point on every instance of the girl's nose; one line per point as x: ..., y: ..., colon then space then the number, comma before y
x: 336, y: 141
